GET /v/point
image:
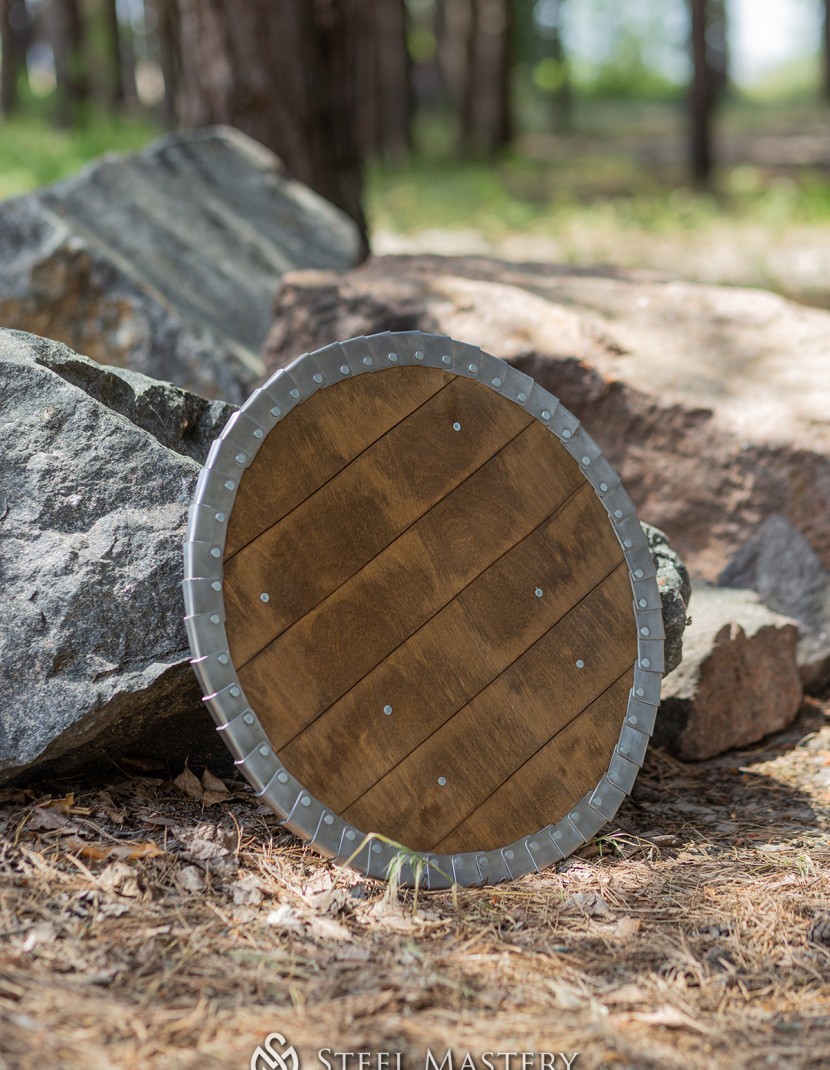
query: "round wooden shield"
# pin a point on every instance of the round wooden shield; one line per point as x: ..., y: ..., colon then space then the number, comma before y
x: 423, y: 612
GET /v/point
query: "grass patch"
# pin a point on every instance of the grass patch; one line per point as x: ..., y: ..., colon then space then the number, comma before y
x: 34, y: 152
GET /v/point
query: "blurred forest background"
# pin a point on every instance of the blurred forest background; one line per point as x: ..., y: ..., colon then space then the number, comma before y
x: 688, y: 136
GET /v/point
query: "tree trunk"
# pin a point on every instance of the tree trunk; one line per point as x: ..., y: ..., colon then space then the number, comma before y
x: 292, y: 75
x: 387, y: 108
x: 485, y: 99
x: 701, y: 97
x: 826, y: 50
x: 167, y: 30
x: 8, y: 73
x: 116, y: 79
x: 66, y: 35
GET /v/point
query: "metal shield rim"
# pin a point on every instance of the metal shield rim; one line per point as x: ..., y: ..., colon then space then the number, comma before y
x: 237, y: 723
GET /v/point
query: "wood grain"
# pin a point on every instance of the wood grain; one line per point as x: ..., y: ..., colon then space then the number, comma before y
x: 502, y: 727
x: 314, y: 662
x: 551, y: 782
x: 318, y: 439
x: 350, y: 519
x: 447, y: 661
x: 429, y: 549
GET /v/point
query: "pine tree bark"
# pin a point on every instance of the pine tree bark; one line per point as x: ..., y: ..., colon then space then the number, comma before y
x: 293, y: 75
x: 701, y: 97
x: 66, y: 35
x: 826, y: 50
x: 167, y: 31
x: 387, y: 112
x: 9, y: 71
x: 486, y: 125
x: 116, y: 75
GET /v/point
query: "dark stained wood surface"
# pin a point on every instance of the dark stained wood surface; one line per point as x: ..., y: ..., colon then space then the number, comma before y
x: 401, y: 555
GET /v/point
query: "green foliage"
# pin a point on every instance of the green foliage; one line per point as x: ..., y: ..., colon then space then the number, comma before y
x: 33, y: 152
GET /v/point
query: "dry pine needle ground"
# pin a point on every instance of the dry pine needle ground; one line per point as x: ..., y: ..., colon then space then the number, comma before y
x: 150, y: 923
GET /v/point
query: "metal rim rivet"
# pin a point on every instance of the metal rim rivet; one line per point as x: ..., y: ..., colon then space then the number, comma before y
x: 248, y: 718
x: 259, y: 433
x: 618, y: 514
x: 215, y: 552
x: 632, y: 720
x: 640, y: 692
x: 638, y: 572
x: 586, y: 461
x: 566, y: 433
x: 522, y: 397
x: 446, y: 359
x: 545, y: 414
x: 317, y: 377
x: 627, y: 543
x: 229, y: 484
x: 350, y: 834
x: 215, y: 618
x: 644, y: 631
x: 235, y: 692
x: 282, y: 777
x: 306, y: 800
x: 508, y: 853
x: 419, y: 355
x: 603, y: 487
x: 220, y: 518
x: 376, y: 848
x: 329, y: 819
x: 264, y: 750
x: 474, y: 368
x: 216, y: 585
x: 344, y: 369
x: 642, y: 603
x: 392, y: 357
x: 276, y: 410
x: 223, y: 659
x: 295, y: 393
x: 645, y: 663
x: 497, y: 382
x: 367, y: 361
x: 240, y: 458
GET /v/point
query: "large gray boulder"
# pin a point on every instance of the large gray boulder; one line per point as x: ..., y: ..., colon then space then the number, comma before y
x: 711, y: 402
x: 166, y: 262
x: 738, y: 681
x: 94, y: 659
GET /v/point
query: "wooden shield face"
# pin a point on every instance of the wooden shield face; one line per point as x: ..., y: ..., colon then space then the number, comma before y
x: 423, y: 612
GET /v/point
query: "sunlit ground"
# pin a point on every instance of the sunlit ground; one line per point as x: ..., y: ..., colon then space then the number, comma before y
x: 615, y: 190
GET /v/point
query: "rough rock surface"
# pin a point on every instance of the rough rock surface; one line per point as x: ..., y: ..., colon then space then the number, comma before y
x: 738, y: 681
x: 675, y: 591
x: 783, y: 568
x: 93, y: 512
x: 166, y: 261
x: 711, y: 402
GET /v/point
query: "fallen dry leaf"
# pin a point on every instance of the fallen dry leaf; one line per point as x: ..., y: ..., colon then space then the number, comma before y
x: 188, y: 782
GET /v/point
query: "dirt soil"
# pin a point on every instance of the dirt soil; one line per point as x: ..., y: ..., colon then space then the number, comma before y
x: 158, y: 923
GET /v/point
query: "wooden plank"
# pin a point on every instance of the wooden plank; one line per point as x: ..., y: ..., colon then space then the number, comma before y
x: 359, y: 512
x: 439, y: 668
x: 318, y: 439
x: 492, y: 736
x: 550, y: 783
x: 317, y: 660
